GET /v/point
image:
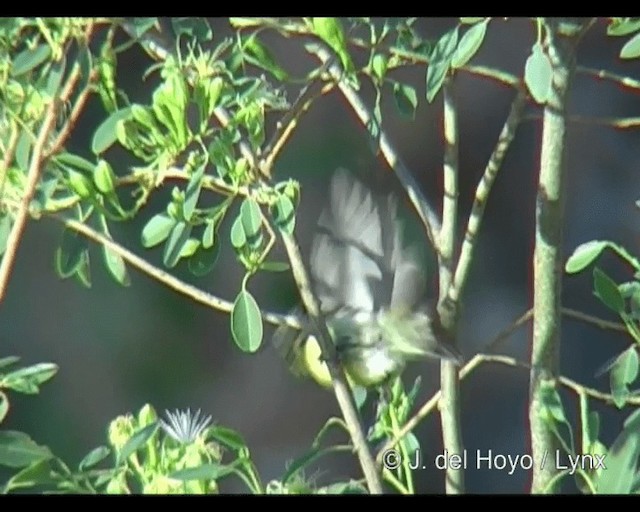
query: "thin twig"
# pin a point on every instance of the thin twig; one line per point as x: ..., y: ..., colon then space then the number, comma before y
x: 168, y: 279
x: 338, y: 379
x: 482, y: 193
x: 598, y: 322
x: 290, y: 121
x: 81, y: 100
x: 33, y: 176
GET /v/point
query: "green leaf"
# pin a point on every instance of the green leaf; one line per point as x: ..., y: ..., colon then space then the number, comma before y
x: 208, y: 236
x: 607, y: 291
x: 538, y: 74
x: 285, y: 214
x: 227, y: 437
x: 94, y: 457
x: 157, y: 230
x: 27, y: 380
x: 623, y: 27
x: 471, y: 20
x: 553, y: 404
x: 211, y: 471
x: 104, y: 178
x: 251, y: 218
x: 83, y: 272
x: 137, y: 441
x: 18, y: 450
x: 140, y: 26
x: 113, y: 261
x: 105, y: 134
x: 238, y: 237
x: 192, y: 193
x: 175, y: 243
x: 201, y: 263
x: 55, y: 77
x: 331, y: 32
x: 75, y: 161
x: 8, y: 361
x: 23, y: 150
x: 379, y: 64
x: 69, y: 255
x: 275, y: 266
x: 5, y: 230
x: 197, y: 28
x: 406, y: 99
x: 37, y: 474
x: 584, y: 255
x: 631, y: 49
x: 622, y: 460
x: 440, y: 62
x: 4, y: 406
x: 246, y: 323
x: 29, y: 59
x: 623, y: 372
x: 469, y: 44
x: 189, y: 248
x: 258, y: 54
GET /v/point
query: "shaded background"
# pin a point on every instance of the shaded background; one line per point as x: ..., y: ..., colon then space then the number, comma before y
x: 119, y: 348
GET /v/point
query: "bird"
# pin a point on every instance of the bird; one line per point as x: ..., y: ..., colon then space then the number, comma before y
x: 371, y: 291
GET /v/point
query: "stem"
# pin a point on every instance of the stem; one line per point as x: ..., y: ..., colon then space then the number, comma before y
x: 449, y: 379
x: 548, y: 257
x: 339, y: 381
x: 35, y: 168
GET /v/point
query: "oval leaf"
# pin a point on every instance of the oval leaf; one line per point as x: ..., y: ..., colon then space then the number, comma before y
x: 469, y: 44
x: 105, y: 134
x: 406, y: 99
x: 27, y: 380
x: 238, y: 237
x: 251, y: 218
x: 285, y: 214
x: 4, y: 406
x: 228, y: 437
x: 607, y: 291
x: 175, y: 243
x: 29, y: 59
x: 94, y: 457
x: 18, y: 450
x: 157, y: 230
x: 440, y: 61
x: 209, y: 471
x: 631, y: 49
x: 137, y: 441
x: 538, y: 74
x: 192, y: 192
x: 246, y: 323
x: 584, y: 255
x: 69, y: 255
x: 204, y: 260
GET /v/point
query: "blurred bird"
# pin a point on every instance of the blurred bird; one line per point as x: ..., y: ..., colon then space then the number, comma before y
x: 371, y: 292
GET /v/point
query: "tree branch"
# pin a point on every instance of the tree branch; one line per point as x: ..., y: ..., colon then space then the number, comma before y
x: 33, y: 176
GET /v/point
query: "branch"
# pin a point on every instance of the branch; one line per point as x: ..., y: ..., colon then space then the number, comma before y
x: 482, y: 193
x: 338, y: 379
x: 448, y: 311
x: 33, y: 176
x: 547, y: 264
x: 168, y: 279
x: 289, y: 122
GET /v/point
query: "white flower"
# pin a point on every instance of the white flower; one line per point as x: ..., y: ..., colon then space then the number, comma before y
x: 183, y: 427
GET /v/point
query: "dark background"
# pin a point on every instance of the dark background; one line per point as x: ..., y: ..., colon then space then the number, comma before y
x: 120, y: 348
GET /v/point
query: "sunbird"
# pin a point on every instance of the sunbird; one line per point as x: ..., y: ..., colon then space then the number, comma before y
x: 371, y: 290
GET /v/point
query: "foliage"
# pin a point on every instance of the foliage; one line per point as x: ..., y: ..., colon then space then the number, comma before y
x: 204, y: 135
